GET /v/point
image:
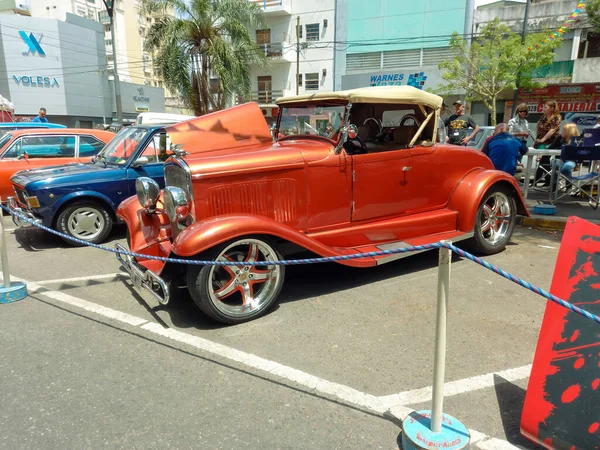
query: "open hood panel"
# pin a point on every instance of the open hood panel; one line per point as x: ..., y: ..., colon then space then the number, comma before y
x: 236, y: 127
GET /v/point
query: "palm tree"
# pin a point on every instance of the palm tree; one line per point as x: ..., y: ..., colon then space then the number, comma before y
x: 205, y: 39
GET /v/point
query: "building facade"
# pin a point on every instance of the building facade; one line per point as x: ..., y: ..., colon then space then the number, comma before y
x: 381, y: 43
x: 301, y: 58
x: 573, y: 80
x: 59, y: 65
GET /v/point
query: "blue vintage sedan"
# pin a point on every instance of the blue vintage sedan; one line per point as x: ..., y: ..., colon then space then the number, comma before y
x: 80, y: 200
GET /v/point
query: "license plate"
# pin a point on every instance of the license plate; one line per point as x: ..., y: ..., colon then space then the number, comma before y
x: 136, y: 280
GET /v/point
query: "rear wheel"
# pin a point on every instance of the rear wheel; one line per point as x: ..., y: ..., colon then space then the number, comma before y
x: 495, y: 221
x: 86, y: 220
x: 237, y: 293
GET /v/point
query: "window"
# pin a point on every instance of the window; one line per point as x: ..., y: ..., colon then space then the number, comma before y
x: 43, y: 147
x: 590, y: 47
x: 156, y: 150
x: 107, y: 28
x: 263, y: 37
x: 81, y: 11
x: 89, y: 146
x: 312, y: 81
x: 312, y: 32
x: 108, y: 41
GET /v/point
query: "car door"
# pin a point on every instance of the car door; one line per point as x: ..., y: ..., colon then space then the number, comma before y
x: 149, y: 161
x: 32, y: 152
x: 382, y: 183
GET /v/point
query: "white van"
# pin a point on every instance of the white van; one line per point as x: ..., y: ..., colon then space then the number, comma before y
x: 150, y: 117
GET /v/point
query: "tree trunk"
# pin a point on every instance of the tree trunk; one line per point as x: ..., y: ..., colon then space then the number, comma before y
x: 494, y: 111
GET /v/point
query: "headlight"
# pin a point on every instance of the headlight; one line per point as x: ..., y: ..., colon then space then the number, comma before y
x: 147, y: 191
x: 177, y: 203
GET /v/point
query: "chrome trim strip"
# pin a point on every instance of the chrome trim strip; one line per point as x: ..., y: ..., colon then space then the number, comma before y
x: 143, y: 278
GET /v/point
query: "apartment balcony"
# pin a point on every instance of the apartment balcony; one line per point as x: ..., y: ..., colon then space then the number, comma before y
x: 275, y: 8
x: 557, y: 72
x: 263, y: 97
x: 278, y: 52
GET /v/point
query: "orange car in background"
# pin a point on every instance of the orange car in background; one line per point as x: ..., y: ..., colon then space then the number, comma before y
x: 32, y: 149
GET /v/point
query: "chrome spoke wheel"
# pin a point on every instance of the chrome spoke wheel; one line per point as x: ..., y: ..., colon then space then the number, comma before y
x: 238, y: 290
x: 495, y: 218
x: 86, y: 223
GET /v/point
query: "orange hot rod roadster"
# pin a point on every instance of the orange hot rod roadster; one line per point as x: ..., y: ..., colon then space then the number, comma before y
x: 342, y: 173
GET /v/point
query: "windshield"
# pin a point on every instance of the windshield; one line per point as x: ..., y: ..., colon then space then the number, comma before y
x: 123, y: 145
x: 314, y: 120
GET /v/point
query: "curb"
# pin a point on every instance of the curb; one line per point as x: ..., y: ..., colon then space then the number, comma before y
x: 544, y: 222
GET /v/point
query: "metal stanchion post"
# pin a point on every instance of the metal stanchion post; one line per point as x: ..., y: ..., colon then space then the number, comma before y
x: 9, y: 292
x: 439, y: 359
x: 434, y: 429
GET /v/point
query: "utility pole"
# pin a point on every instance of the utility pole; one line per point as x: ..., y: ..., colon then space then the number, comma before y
x: 523, y: 31
x: 298, y: 55
x: 109, y: 4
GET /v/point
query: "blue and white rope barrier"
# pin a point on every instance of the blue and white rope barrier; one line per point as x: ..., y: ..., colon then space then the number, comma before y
x: 290, y: 262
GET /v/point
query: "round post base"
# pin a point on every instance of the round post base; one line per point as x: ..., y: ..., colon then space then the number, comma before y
x: 417, y: 434
x: 17, y: 291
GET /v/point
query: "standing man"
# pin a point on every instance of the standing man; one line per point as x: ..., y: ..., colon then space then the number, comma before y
x: 459, y: 124
x: 41, y: 117
x: 504, y: 150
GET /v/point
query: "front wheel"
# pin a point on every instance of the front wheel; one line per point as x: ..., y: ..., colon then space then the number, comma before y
x: 495, y: 221
x: 237, y: 293
x: 85, y: 220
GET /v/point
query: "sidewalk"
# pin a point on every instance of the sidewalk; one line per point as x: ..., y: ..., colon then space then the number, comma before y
x: 565, y: 207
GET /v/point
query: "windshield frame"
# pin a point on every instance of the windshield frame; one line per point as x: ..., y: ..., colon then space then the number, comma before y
x: 313, y: 104
x: 123, y: 134
x: 4, y: 143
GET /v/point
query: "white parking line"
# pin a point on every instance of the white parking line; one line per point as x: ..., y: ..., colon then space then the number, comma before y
x: 91, y: 277
x: 463, y: 386
x: 314, y: 384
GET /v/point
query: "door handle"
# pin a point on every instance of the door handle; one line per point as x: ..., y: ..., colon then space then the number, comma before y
x: 406, y: 169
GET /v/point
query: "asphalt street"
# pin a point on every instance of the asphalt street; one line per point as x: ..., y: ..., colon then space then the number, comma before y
x: 88, y: 362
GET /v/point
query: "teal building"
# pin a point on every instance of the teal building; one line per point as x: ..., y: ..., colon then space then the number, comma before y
x: 398, y: 42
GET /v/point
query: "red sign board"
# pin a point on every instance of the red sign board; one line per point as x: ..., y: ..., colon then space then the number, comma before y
x: 570, y: 98
x: 562, y: 403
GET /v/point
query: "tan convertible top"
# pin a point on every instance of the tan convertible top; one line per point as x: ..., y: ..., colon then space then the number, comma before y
x: 375, y: 94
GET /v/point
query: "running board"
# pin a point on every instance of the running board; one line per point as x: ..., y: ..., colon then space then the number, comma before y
x: 453, y: 236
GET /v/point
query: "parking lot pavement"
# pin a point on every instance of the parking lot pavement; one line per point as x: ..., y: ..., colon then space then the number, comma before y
x: 360, y: 338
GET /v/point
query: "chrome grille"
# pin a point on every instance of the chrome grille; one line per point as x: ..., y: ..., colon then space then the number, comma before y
x: 177, y: 174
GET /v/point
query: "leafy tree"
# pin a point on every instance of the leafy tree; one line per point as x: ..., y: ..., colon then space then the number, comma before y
x: 204, y: 39
x: 493, y: 63
x: 592, y: 8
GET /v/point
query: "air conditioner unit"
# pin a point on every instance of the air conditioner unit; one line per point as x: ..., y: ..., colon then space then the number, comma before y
x: 267, y: 112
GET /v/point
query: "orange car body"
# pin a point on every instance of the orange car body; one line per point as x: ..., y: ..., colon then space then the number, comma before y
x: 10, y: 163
x: 304, y: 191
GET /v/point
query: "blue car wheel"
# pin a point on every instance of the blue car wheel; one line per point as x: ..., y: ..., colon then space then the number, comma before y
x: 86, y: 220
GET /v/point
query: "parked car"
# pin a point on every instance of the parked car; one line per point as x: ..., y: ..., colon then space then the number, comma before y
x: 242, y: 197
x: 5, y: 127
x: 80, y: 200
x: 34, y: 148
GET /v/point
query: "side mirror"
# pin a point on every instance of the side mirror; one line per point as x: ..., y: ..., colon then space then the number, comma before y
x: 141, y: 161
x: 351, y: 131
x: 25, y: 155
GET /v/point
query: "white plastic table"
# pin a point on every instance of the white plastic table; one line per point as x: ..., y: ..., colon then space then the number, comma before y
x: 531, y: 156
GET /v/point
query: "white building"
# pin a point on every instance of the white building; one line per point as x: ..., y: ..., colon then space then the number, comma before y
x: 280, y: 44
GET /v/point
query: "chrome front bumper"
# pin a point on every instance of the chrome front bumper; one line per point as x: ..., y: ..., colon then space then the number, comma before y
x: 144, y: 278
x: 14, y: 207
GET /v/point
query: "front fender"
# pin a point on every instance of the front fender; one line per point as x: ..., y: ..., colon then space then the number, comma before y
x: 470, y: 191
x: 206, y: 234
x: 82, y: 194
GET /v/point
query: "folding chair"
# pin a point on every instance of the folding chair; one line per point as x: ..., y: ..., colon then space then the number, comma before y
x: 583, y: 181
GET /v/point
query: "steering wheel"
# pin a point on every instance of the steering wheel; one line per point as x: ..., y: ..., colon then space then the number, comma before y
x: 409, y: 116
